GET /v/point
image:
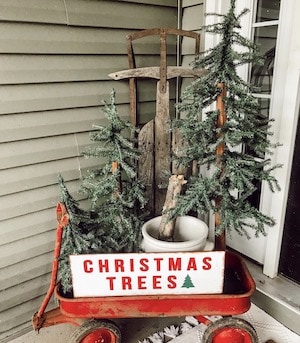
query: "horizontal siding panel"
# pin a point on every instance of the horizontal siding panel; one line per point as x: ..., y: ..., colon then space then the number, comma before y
x: 38, y: 150
x: 27, y: 248
x: 19, y: 204
x: 193, y: 17
x: 83, y: 142
x: 20, y: 69
x: 31, y: 125
x: 55, y: 39
x: 151, y: 45
x: 111, y: 14
x: 21, y: 227
x: 23, y: 271
x: 147, y: 111
x: 30, y: 152
x: 41, y: 11
x: 34, y: 97
x: 23, y: 69
x: 188, y: 45
x: 152, y: 60
x: 89, y: 13
x: 37, y: 175
x: 147, y: 90
x: 43, y: 174
x: 187, y: 3
x: 23, y: 292
x: 187, y: 60
x: 170, y: 3
x: 31, y: 224
x: 22, y: 203
x: 17, y: 316
x: 14, y: 205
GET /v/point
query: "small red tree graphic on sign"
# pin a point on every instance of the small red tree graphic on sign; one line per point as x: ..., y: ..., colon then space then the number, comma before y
x: 187, y: 283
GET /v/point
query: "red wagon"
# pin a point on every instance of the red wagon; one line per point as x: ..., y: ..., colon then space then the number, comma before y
x: 93, y: 314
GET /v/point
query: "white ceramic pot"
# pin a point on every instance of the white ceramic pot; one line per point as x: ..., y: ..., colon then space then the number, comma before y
x: 190, y: 235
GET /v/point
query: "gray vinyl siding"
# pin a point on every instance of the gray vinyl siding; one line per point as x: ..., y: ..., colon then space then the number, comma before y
x: 55, y: 57
x: 192, y: 19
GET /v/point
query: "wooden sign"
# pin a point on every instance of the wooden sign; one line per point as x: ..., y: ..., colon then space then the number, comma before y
x: 147, y: 274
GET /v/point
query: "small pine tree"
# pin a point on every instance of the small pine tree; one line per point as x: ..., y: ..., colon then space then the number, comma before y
x: 82, y: 235
x: 114, y: 189
x: 114, y: 221
x: 224, y: 181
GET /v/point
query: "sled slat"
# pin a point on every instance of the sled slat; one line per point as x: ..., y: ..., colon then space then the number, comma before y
x: 162, y: 146
x: 146, y: 162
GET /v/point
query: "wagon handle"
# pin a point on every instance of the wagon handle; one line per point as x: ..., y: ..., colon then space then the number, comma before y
x: 62, y: 221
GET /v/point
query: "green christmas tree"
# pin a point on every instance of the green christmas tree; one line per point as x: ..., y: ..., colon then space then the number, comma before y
x: 187, y: 283
x: 114, y: 189
x: 225, y: 173
x: 114, y: 220
x: 82, y: 235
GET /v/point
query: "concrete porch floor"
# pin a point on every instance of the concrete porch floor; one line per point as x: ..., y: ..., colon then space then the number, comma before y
x: 134, y: 330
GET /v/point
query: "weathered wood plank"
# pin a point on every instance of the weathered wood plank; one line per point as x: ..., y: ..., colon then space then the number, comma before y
x: 162, y: 146
x: 146, y: 162
x: 178, y: 146
x: 167, y: 227
x: 154, y: 73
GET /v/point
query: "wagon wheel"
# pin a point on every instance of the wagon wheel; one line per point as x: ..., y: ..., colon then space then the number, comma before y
x: 97, y: 331
x: 230, y: 330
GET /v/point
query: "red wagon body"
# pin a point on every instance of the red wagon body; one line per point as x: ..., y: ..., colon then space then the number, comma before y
x: 166, y: 305
x: 235, y: 299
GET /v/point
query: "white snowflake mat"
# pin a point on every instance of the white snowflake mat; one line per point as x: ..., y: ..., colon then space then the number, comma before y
x: 191, y: 331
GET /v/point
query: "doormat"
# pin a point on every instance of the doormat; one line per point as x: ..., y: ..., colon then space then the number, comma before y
x: 188, y: 331
x: 268, y: 329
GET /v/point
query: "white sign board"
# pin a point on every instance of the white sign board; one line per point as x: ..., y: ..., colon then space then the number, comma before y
x: 147, y: 273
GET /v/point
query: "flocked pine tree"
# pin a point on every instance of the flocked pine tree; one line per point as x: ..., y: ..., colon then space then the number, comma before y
x: 226, y: 173
x: 114, y: 189
x: 114, y: 221
x: 82, y: 235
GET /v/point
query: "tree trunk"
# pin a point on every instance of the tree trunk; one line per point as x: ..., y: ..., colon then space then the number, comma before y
x: 166, y: 228
x: 220, y: 241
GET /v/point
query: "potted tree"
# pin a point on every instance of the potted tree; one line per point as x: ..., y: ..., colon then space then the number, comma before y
x: 183, y: 233
x: 228, y: 147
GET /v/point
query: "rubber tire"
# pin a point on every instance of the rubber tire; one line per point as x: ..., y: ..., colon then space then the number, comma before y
x: 230, y: 323
x: 93, y: 325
